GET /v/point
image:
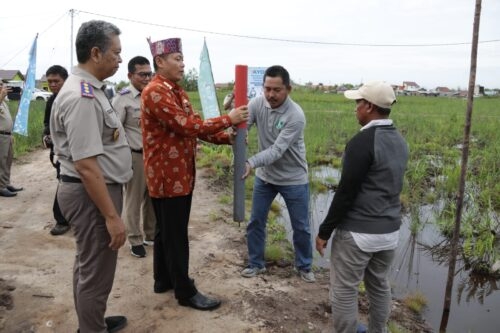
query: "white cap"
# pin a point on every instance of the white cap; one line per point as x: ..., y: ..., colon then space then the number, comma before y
x: 377, y: 92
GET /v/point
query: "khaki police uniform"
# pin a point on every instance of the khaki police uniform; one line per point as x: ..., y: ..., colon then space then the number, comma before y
x: 136, y: 200
x: 6, y: 150
x: 83, y: 124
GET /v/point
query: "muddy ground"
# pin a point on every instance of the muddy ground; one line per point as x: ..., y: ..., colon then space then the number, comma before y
x: 35, y: 273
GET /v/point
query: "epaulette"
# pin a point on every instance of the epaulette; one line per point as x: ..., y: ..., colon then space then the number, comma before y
x: 125, y: 91
x: 86, y: 89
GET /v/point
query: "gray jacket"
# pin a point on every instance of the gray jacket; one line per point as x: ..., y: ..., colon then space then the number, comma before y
x: 281, y: 159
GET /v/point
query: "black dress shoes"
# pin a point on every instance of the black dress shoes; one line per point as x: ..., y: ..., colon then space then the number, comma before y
x: 115, y: 323
x: 200, y: 302
x: 14, y: 189
x: 59, y: 229
x: 6, y: 193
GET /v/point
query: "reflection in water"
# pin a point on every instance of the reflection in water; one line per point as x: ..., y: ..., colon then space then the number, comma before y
x: 421, y: 264
x: 473, y: 287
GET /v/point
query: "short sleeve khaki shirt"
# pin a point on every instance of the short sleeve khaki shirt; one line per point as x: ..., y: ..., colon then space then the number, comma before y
x: 83, y: 124
x: 127, y: 104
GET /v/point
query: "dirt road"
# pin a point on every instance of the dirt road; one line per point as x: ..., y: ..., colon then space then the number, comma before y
x: 36, y: 287
x: 37, y: 266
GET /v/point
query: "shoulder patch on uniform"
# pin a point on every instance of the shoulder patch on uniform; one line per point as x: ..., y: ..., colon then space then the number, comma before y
x: 86, y: 89
x: 125, y: 91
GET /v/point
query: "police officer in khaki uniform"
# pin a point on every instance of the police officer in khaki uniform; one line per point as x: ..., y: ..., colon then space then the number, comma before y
x: 6, y: 150
x: 136, y: 200
x: 95, y: 158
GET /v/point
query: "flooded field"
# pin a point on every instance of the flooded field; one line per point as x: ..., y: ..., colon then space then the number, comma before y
x: 421, y: 266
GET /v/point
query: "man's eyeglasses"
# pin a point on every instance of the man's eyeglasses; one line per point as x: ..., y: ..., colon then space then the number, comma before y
x: 144, y: 75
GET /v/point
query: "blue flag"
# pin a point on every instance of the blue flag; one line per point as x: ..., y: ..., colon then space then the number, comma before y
x: 21, y: 122
x: 206, y: 86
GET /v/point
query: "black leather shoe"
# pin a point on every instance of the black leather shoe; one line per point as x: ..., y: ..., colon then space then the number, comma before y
x: 115, y: 323
x: 200, y: 302
x: 6, y: 193
x: 59, y: 229
x: 14, y: 189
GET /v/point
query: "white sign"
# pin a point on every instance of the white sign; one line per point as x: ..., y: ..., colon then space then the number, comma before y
x: 255, y: 81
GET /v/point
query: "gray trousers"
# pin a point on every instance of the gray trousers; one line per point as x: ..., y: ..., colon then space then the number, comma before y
x: 349, y: 266
x: 95, y: 262
x: 6, y: 156
x: 137, y: 203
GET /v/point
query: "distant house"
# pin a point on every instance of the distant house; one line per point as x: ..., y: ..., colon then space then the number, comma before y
x: 14, y: 79
x: 399, y: 90
x: 444, y: 91
x: 478, y: 90
x: 422, y: 92
x: 7, y: 75
x: 410, y: 88
x: 42, y: 83
x: 460, y: 93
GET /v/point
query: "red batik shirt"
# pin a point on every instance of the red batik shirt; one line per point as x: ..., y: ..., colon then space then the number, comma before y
x: 170, y: 129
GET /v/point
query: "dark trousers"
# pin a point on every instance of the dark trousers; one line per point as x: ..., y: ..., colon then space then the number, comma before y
x: 58, y: 216
x: 171, y: 246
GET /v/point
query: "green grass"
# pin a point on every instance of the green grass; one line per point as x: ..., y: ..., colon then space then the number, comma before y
x: 25, y: 144
x: 433, y: 128
x: 415, y: 302
x: 393, y: 327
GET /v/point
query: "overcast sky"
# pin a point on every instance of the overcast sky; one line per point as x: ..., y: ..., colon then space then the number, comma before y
x: 307, y: 37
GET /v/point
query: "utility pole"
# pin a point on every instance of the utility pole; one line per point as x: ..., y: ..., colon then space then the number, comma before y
x: 463, y: 171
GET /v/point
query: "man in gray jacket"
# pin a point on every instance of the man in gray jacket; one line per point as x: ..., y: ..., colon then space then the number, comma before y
x: 366, y: 212
x: 281, y: 168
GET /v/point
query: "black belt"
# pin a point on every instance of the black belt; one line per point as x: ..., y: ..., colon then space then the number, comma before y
x: 69, y: 179
x: 9, y: 133
x: 138, y: 151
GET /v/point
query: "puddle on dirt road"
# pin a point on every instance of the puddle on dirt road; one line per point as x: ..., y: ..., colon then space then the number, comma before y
x: 419, y: 267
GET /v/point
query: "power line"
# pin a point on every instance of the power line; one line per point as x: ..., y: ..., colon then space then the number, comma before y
x: 29, y: 45
x: 285, y: 40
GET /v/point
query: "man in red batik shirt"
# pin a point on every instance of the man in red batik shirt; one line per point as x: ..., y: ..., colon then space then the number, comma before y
x: 170, y: 129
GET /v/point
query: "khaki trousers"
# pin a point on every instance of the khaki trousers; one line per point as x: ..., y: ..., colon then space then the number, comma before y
x: 95, y: 262
x: 6, y: 156
x: 137, y: 203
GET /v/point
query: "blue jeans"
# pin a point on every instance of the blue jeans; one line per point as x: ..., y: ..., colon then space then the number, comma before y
x: 297, y: 202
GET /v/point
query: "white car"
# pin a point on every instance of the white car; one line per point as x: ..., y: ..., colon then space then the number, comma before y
x: 40, y: 95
